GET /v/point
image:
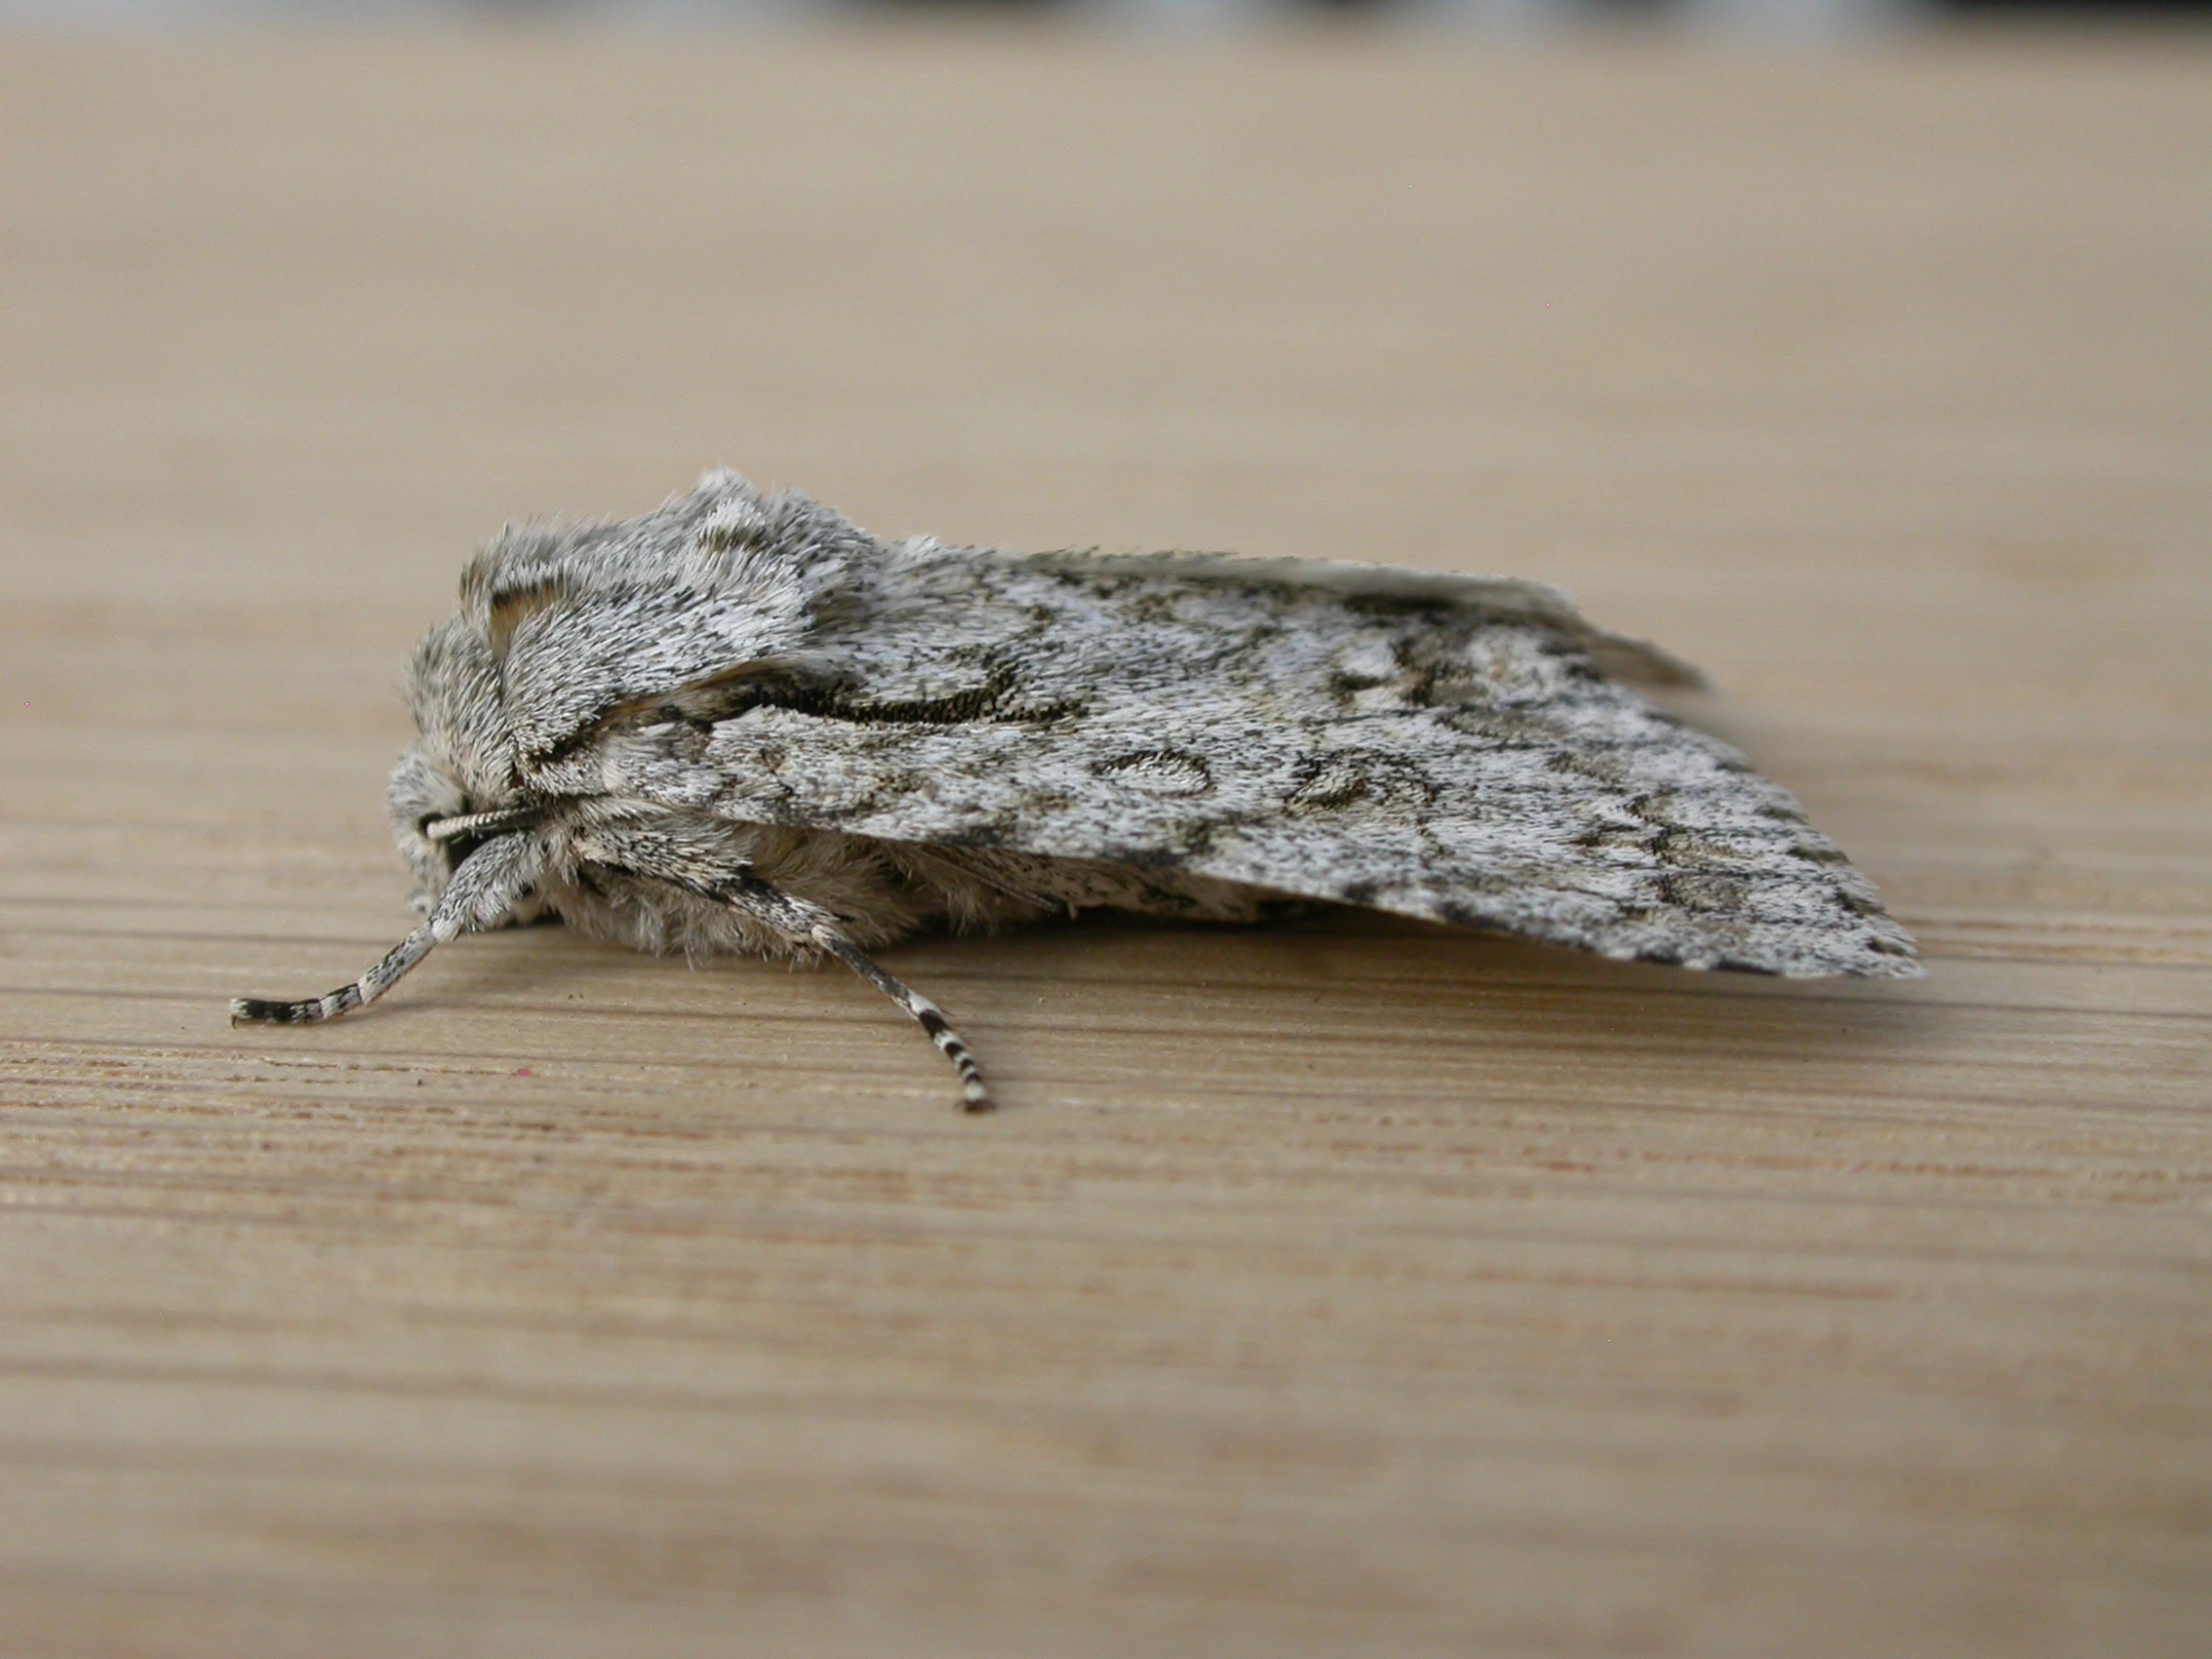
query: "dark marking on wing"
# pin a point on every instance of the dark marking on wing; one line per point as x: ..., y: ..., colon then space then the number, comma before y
x: 510, y: 608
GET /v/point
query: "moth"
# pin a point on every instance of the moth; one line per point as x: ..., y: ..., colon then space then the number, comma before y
x: 740, y: 724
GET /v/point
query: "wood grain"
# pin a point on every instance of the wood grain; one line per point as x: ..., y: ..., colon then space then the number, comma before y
x: 1332, y: 1288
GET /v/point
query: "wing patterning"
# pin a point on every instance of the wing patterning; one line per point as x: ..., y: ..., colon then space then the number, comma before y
x: 1439, y: 748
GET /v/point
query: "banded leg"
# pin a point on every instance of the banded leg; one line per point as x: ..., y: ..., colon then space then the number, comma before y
x: 808, y: 923
x: 254, y: 1010
x: 483, y: 889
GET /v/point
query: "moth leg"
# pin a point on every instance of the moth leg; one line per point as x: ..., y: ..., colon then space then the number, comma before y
x: 482, y: 890
x: 254, y: 1010
x: 806, y: 923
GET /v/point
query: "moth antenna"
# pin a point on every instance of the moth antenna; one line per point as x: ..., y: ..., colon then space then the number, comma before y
x: 483, y: 889
x: 482, y: 825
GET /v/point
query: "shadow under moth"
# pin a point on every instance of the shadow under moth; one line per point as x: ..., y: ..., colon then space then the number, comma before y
x: 740, y: 724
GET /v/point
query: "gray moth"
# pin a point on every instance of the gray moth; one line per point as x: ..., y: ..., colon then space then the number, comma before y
x: 740, y: 724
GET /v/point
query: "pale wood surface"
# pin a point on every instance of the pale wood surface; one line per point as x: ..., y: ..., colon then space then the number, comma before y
x: 1337, y: 1289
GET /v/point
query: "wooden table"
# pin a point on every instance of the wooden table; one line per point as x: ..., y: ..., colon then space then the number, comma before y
x: 1333, y: 1288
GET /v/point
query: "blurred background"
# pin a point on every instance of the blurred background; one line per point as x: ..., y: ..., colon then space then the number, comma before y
x: 1806, y: 18
x: 1327, y: 1292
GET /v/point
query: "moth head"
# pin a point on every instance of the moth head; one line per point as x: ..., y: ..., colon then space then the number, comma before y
x: 422, y: 794
x: 437, y: 823
x: 455, y: 786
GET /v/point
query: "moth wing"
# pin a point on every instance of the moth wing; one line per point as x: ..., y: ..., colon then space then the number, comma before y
x: 583, y: 624
x: 1449, y: 750
x: 1638, y: 660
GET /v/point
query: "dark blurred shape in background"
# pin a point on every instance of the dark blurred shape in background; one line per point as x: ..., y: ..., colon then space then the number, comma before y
x: 1806, y: 18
